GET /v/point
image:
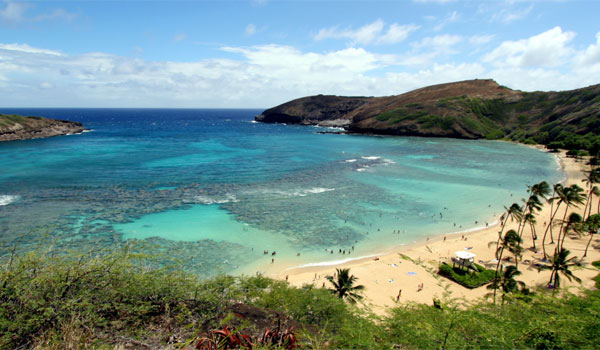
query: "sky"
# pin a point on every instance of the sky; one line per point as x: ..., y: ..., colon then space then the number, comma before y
x: 261, y: 53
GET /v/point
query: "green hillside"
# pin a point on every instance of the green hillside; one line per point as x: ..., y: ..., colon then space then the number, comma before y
x: 473, y: 109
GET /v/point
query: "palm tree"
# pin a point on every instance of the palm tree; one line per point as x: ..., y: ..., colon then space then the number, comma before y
x: 507, y: 282
x: 532, y: 204
x: 573, y: 225
x: 595, y: 191
x: 343, y: 285
x: 561, y: 264
x: 515, y: 212
x: 557, y: 195
x: 541, y: 189
x: 592, y: 224
x: 513, y: 244
x: 530, y: 219
x: 592, y: 177
x: 536, y: 191
x: 511, y: 240
x: 571, y: 195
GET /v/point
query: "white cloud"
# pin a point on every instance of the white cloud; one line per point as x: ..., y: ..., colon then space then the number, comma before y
x: 56, y: 14
x: 372, y: 33
x: 548, y: 49
x: 438, y: 41
x: 250, y: 29
x: 13, y: 11
x: 478, y: 40
x: 28, y: 49
x: 449, y: 19
x: 263, y: 76
x: 267, y: 75
x: 591, y: 55
x: 18, y: 12
x: 179, y: 37
x: 509, y: 15
x: 436, y: 74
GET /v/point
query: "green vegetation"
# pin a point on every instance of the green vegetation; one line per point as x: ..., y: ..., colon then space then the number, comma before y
x: 469, y: 278
x: 7, y: 120
x: 93, y: 301
x: 400, y: 114
x: 82, y: 301
x: 560, y: 120
x: 344, y: 287
x: 541, y: 322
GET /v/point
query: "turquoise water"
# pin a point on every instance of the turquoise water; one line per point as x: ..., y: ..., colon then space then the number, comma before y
x: 212, y: 190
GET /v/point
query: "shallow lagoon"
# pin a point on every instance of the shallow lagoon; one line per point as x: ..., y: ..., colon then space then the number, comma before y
x: 213, y: 190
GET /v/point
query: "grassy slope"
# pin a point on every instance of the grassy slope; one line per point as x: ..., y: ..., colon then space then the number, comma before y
x: 567, y: 119
x: 9, y: 120
x: 83, y: 302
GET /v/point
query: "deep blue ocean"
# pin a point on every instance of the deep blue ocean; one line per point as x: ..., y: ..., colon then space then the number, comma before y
x: 213, y: 190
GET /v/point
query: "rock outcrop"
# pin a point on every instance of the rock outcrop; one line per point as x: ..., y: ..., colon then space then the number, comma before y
x: 314, y: 110
x: 15, y: 127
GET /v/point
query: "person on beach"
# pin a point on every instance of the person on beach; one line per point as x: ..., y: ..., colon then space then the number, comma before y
x: 399, y: 295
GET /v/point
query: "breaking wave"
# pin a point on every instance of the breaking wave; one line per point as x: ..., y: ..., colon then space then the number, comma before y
x: 6, y: 199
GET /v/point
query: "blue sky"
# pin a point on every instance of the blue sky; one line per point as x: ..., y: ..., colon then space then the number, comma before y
x: 236, y: 54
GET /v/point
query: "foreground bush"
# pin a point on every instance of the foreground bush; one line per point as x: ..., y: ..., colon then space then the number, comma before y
x: 82, y: 302
x: 539, y: 322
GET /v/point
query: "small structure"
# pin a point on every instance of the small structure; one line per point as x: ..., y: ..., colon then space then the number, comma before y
x: 463, y: 259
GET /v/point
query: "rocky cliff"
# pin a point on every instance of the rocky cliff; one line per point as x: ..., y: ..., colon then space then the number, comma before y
x: 314, y: 110
x: 15, y: 127
x: 472, y: 109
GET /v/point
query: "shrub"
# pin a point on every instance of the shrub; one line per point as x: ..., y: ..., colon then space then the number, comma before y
x: 467, y: 278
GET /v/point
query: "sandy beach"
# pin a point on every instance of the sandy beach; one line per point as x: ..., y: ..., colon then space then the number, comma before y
x: 408, y: 267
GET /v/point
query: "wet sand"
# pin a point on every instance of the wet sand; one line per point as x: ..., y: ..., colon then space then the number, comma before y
x: 410, y: 266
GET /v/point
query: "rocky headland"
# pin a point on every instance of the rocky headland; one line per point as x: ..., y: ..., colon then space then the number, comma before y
x: 15, y: 127
x: 472, y: 109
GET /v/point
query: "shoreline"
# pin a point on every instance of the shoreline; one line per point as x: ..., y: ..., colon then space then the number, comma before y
x: 408, y: 266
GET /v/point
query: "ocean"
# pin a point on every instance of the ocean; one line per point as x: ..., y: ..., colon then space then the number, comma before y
x: 215, y: 192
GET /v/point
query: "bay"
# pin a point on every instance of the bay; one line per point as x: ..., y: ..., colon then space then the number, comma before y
x: 212, y: 190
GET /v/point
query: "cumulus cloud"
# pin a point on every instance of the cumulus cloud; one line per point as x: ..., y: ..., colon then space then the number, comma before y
x: 262, y: 76
x: 591, y: 55
x: 372, y: 33
x: 266, y: 75
x: 548, y: 49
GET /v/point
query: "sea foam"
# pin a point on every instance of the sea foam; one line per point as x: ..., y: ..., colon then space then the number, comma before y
x: 6, y: 199
x: 222, y: 200
x: 303, y: 192
x: 333, y: 262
